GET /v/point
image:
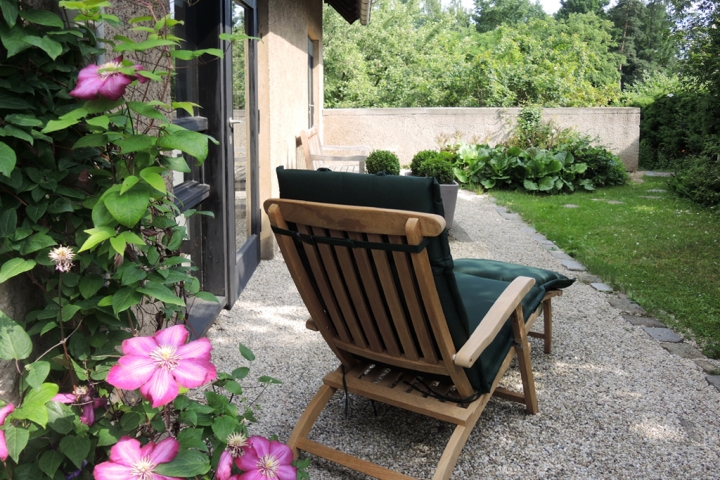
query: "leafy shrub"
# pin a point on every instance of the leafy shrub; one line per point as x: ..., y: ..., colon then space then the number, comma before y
x: 698, y: 178
x: 437, y: 167
x: 419, y: 158
x: 383, y: 161
x: 604, y: 168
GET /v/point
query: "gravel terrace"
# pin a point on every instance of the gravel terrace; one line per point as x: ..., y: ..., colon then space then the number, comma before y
x: 613, y: 403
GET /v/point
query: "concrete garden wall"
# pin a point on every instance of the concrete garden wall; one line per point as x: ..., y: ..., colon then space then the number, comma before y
x: 406, y: 131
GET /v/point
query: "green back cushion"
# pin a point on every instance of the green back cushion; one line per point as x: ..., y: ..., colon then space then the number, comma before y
x: 419, y: 195
x: 545, y: 279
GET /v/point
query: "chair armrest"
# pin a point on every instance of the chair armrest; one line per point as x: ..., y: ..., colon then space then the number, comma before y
x: 343, y: 148
x: 493, y: 321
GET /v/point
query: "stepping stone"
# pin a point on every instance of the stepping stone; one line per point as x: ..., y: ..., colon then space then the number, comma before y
x: 597, y: 199
x: 684, y: 350
x: 588, y: 278
x: 663, y: 334
x: 570, y: 205
x: 615, y: 202
x: 501, y: 210
x: 658, y: 174
x: 707, y: 366
x: 540, y: 237
x: 652, y: 197
x: 644, y: 321
x: 625, y: 305
x: 528, y: 230
x: 601, y: 287
x: 656, y: 190
x: 550, y: 246
x: 574, y: 266
x: 714, y: 380
x: 458, y: 234
x: 560, y: 255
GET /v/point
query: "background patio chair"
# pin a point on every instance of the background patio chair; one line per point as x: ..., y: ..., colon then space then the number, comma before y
x: 381, y: 288
x: 316, y: 154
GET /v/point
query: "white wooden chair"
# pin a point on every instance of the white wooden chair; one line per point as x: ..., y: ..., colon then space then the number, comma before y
x: 316, y: 154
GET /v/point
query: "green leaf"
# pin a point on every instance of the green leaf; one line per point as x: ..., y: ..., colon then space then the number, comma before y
x: 13, y: 131
x: 233, y: 387
x: 191, y: 438
x: 177, y: 164
x: 135, y: 142
x: 128, y: 183
x: 69, y: 311
x: 146, y: 110
x: 131, y: 237
x: 162, y: 293
x: 102, y: 105
x: 55, y: 125
x: 187, y: 106
x: 15, y: 343
x: 103, y: 121
x: 75, y: 448
x: 10, y: 11
x: 192, y: 143
x: 207, y: 296
x: 266, y: 379
x: 187, y: 463
x: 36, y: 373
x: 101, y: 216
x: 50, y: 461
x: 60, y: 417
x: 16, y: 438
x: 14, y: 267
x: 37, y: 242
x: 240, y: 373
x: 131, y: 420
x: 90, y: 285
x: 118, y: 244
x: 94, y: 140
x: 8, y: 159
x: 8, y: 223
x: 33, y: 407
x: 42, y: 17
x: 128, y: 208
x: 125, y: 298
x: 61, y: 205
x: 246, y: 352
x: 23, y: 120
x: 151, y: 176
x: 97, y: 235
x: 224, y: 426
x: 108, y: 436
x: 47, y: 44
x: 36, y: 210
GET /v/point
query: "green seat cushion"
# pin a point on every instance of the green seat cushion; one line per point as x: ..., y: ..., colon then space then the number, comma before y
x: 478, y: 295
x: 545, y: 279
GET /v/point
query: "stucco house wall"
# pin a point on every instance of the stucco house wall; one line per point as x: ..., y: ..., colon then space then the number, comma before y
x: 285, y: 26
x: 406, y: 131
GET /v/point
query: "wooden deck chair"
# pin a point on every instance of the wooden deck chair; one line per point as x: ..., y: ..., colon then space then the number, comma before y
x: 380, y: 287
x: 316, y: 154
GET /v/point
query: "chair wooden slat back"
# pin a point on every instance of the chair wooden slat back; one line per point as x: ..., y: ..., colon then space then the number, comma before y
x: 318, y: 155
x: 369, y: 302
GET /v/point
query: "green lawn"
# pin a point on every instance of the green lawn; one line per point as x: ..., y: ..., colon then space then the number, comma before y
x: 664, y: 253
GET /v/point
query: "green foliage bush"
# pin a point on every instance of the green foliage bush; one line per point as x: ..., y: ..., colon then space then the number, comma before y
x: 383, y: 161
x: 698, y: 178
x: 419, y: 158
x: 437, y: 167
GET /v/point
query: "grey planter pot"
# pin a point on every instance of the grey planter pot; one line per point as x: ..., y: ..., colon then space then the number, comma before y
x: 449, y: 193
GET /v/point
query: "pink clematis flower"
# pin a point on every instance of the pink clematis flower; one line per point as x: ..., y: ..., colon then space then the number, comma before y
x: 130, y: 461
x: 237, y: 443
x: 4, y: 412
x: 82, y: 397
x: 157, y: 364
x: 105, y: 80
x: 266, y: 460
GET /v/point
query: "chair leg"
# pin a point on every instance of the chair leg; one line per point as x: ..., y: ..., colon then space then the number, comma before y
x: 547, y: 321
x: 309, y: 416
x: 452, y: 452
x: 523, y: 353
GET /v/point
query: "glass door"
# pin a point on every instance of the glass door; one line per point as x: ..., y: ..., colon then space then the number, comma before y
x: 225, y: 248
x: 244, y: 122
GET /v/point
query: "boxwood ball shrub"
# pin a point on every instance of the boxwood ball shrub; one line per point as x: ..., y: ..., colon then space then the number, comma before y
x: 383, y: 161
x: 437, y: 167
x: 419, y: 158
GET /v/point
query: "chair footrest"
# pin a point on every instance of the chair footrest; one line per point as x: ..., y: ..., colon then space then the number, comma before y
x: 336, y: 456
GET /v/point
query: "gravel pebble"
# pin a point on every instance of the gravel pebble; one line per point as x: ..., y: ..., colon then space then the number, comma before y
x: 613, y: 403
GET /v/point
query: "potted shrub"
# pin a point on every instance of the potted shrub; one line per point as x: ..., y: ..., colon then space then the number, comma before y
x: 383, y: 161
x: 441, y: 168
